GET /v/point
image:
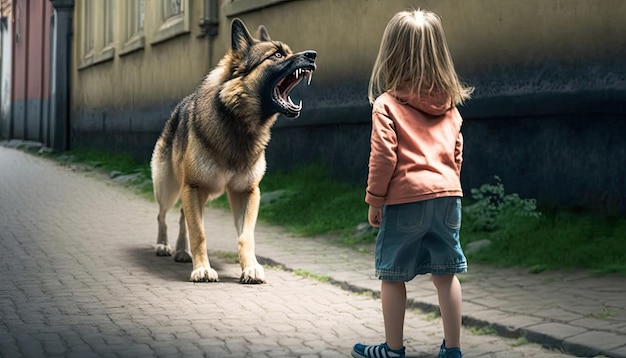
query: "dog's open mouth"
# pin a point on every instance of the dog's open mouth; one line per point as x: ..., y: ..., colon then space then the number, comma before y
x: 285, y: 85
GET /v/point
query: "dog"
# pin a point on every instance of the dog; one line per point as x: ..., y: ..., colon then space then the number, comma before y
x: 215, y: 141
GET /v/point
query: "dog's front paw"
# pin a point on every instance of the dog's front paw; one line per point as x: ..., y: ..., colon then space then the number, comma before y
x: 253, y: 274
x: 182, y: 256
x: 204, y: 274
x: 163, y: 250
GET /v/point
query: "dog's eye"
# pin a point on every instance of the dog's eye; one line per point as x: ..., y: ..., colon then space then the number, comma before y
x: 278, y: 54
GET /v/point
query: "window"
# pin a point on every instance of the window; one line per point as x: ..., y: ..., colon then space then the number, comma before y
x: 109, y: 12
x: 171, y: 8
x: 87, y: 33
x: 96, y: 31
x: 173, y: 17
x: 105, y: 34
x: 134, y: 36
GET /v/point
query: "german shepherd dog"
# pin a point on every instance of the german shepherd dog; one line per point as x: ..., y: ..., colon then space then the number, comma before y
x: 215, y: 140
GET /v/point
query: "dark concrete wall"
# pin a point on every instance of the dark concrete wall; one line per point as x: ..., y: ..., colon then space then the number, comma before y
x: 564, y: 149
x: 29, y: 118
x: 133, y: 130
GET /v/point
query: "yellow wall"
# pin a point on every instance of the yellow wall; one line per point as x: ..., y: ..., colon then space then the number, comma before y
x: 346, y: 33
x: 154, y: 74
x: 483, y: 34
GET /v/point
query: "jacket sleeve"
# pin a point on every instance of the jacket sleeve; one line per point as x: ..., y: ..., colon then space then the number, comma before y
x: 383, y: 158
x: 458, y: 153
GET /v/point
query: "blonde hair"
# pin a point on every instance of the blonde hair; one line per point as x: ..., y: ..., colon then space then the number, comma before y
x: 414, y: 56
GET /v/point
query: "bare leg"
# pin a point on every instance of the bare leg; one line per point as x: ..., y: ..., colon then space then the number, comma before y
x: 393, y: 297
x: 450, y: 301
x: 194, y: 199
x: 245, y: 207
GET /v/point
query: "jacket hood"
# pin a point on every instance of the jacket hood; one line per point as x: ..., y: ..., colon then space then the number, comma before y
x: 435, y: 103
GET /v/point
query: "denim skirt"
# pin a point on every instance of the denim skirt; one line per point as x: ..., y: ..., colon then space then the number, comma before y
x: 419, y: 238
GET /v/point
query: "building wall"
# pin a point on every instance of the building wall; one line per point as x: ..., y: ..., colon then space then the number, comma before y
x: 30, y: 69
x: 5, y: 71
x: 547, y: 115
x: 123, y: 100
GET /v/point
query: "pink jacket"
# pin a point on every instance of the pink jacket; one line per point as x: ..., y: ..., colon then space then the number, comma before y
x: 416, y: 150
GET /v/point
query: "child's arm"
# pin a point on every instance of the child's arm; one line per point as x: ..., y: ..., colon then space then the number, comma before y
x: 383, y: 158
x: 458, y: 153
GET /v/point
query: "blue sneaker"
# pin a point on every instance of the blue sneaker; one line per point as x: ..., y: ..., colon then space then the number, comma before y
x: 454, y: 352
x: 379, y: 351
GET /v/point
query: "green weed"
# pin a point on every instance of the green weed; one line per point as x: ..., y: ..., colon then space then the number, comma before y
x: 605, y: 313
x: 432, y: 316
x: 483, y: 331
x: 230, y: 257
x: 311, y: 275
x: 555, y: 239
x: 520, y: 341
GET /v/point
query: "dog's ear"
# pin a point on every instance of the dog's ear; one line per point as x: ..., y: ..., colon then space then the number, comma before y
x: 263, y: 34
x: 241, y: 39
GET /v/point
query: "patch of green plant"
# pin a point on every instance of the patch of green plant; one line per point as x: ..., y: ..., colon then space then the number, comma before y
x: 311, y: 203
x: 431, y: 316
x: 104, y: 160
x: 366, y: 293
x: 520, y: 341
x: 605, y: 313
x: 351, y: 240
x: 231, y: 257
x: 539, y: 268
x: 316, y: 204
x: 555, y: 239
x: 311, y: 275
x: 610, y: 268
x: 483, y: 331
x: 274, y: 267
x: 492, y: 208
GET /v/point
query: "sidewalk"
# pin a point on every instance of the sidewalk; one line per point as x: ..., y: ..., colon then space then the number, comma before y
x: 576, y: 312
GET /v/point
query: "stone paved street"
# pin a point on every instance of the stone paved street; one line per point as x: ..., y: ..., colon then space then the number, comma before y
x: 80, y: 279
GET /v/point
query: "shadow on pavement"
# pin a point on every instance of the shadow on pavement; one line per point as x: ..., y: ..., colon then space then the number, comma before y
x: 166, y: 268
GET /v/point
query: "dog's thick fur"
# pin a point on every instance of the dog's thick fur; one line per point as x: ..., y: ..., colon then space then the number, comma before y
x: 215, y: 140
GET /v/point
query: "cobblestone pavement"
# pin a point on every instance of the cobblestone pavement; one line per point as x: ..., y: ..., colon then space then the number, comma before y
x: 80, y: 279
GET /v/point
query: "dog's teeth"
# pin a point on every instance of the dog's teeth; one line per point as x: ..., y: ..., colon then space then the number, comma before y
x: 300, y: 105
x: 310, y: 75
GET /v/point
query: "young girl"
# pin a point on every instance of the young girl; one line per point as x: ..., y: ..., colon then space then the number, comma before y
x: 414, y: 186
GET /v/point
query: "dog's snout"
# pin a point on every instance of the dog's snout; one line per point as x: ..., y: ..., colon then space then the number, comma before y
x: 310, y: 54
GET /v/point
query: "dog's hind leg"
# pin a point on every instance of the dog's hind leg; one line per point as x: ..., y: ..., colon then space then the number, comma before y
x: 245, y: 208
x: 194, y: 199
x: 182, y: 244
